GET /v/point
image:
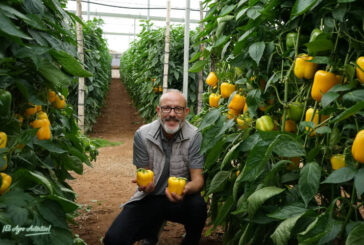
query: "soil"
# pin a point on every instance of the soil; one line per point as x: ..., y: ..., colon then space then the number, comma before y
x: 104, y: 187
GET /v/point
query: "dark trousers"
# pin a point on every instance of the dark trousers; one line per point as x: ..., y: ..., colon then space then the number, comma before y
x: 143, y: 219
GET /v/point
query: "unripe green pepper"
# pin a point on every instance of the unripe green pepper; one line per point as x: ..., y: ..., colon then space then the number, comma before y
x: 5, y: 102
x: 291, y: 39
x: 295, y: 110
x: 264, y: 123
x: 314, y: 34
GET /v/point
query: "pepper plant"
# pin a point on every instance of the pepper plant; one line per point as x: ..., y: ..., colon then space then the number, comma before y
x: 38, y: 64
x: 271, y: 181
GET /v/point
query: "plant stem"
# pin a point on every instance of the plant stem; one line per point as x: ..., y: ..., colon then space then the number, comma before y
x: 353, y: 196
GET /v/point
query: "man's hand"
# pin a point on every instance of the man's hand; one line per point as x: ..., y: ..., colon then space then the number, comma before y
x: 173, y: 197
x: 147, y: 189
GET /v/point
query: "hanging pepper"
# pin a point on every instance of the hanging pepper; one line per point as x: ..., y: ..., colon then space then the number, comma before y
x: 360, y: 73
x: 176, y: 185
x: 3, y: 139
x: 357, y: 148
x: 237, y: 103
x: 316, y: 119
x: 304, y: 68
x: 337, y: 161
x: 44, y: 131
x: 214, y: 100
x: 227, y: 89
x: 5, y: 182
x: 314, y: 34
x: 42, y: 115
x: 60, y: 102
x: 232, y: 113
x: 323, y: 82
x: 52, y: 96
x: 245, y: 109
x: 295, y: 110
x: 290, y: 126
x: 212, y: 79
x: 144, y: 177
x: 291, y: 39
x: 31, y: 110
x: 264, y: 123
x: 244, y: 122
x: 5, y: 102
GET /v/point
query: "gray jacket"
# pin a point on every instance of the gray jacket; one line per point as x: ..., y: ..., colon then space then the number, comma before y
x: 179, y: 163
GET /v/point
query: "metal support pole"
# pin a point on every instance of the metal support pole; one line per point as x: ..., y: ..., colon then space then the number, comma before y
x: 166, y: 49
x: 200, y: 74
x: 81, y: 81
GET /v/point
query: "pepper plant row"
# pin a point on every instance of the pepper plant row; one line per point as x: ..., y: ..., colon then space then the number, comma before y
x: 283, y: 120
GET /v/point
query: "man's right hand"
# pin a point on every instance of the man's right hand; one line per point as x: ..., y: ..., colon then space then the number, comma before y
x: 147, y: 189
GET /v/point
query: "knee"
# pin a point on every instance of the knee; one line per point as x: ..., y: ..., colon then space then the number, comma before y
x: 113, y: 237
x: 197, y: 206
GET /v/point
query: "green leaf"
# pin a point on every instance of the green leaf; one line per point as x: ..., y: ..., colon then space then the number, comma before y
x: 329, y: 97
x: 209, y: 119
x: 359, y: 182
x: 323, y: 130
x: 288, y: 146
x: 198, y: 66
x: 227, y: 9
x: 309, y: 181
x: 53, y: 213
x: 340, y: 176
x: 288, y: 211
x: 53, y: 74
x: 256, y: 51
x: 319, y: 45
x: 349, y: 112
x: 18, y: 215
x: 67, y: 205
x: 223, y: 211
x: 213, y: 154
x: 256, y: 199
x: 218, y: 182
x: 282, y: 233
x: 8, y: 27
x: 302, y: 6
x: 37, y: 177
x: 230, y: 155
x: 254, y: 12
x: 49, y: 146
x: 354, y: 96
x: 316, y: 230
x: 356, y: 236
x: 69, y: 63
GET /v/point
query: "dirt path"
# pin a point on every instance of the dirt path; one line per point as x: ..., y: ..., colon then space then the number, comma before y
x: 104, y: 187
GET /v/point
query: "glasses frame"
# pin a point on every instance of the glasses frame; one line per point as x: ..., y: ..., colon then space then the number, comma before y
x: 168, y: 109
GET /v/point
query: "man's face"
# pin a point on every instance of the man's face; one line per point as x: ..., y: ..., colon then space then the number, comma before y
x: 172, y: 112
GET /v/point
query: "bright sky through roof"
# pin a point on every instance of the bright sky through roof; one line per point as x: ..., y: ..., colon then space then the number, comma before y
x: 120, y: 43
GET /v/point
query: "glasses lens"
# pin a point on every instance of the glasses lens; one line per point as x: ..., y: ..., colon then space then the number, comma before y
x: 168, y: 109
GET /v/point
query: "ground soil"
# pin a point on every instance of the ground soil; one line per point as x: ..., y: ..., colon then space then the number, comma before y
x: 104, y: 187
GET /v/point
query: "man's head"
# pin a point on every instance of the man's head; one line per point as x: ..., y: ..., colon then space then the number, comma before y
x: 172, y: 111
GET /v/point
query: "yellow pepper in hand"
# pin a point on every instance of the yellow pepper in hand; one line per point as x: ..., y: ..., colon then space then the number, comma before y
x: 144, y: 177
x: 304, y: 68
x: 5, y: 182
x: 176, y: 185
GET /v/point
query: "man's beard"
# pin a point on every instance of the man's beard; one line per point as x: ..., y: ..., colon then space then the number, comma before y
x: 171, y: 130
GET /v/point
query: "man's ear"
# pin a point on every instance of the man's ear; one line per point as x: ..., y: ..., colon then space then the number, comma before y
x: 187, y: 111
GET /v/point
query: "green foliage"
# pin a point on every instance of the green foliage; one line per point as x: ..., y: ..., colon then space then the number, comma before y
x: 38, y: 54
x: 141, y: 68
x: 279, y: 187
x: 98, y: 62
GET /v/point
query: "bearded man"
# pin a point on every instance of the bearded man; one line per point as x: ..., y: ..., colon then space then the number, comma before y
x: 169, y: 146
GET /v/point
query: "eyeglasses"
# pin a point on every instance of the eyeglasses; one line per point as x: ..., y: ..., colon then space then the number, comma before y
x: 168, y: 109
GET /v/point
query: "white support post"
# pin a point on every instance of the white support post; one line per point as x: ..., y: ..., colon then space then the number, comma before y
x: 81, y: 81
x: 200, y: 74
x: 166, y: 49
x: 186, y: 57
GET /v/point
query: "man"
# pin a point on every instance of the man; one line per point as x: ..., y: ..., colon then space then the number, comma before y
x: 169, y: 146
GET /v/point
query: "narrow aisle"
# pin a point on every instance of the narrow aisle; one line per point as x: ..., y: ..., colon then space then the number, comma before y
x: 104, y: 187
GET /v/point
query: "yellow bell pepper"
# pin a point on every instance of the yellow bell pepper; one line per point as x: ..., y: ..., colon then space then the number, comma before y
x: 227, y: 89
x: 237, y: 103
x: 30, y: 110
x: 44, y: 131
x: 360, y: 73
x: 337, y: 161
x: 290, y: 126
x: 244, y: 122
x: 3, y: 139
x: 357, y: 149
x: 144, y: 177
x: 212, y: 79
x: 214, y: 100
x: 304, y: 68
x: 52, y: 96
x: 5, y: 182
x: 60, y: 102
x: 316, y: 119
x: 176, y: 185
x: 323, y: 82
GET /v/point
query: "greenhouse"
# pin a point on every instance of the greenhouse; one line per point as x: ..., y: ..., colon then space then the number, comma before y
x: 182, y: 122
